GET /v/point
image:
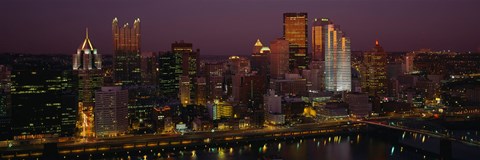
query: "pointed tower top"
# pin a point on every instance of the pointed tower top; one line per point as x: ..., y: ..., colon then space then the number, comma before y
x: 258, y: 43
x: 86, y: 43
x: 376, y: 42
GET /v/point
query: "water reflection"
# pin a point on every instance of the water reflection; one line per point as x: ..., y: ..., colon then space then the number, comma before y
x: 360, y: 146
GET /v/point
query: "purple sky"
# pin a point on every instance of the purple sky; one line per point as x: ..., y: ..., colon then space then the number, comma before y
x: 230, y: 27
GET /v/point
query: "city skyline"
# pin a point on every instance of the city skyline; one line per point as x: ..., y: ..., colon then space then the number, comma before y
x: 399, y: 25
x: 240, y: 79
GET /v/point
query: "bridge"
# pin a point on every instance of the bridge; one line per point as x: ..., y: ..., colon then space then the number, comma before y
x: 445, y: 145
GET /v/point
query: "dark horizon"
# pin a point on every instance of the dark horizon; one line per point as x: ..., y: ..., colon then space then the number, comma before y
x: 232, y: 27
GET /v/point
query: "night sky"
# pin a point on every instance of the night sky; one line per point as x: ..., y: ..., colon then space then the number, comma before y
x: 230, y: 27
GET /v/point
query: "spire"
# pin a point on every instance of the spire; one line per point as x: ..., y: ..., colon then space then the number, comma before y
x: 258, y: 43
x: 376, y: 42
x: 86, y: 43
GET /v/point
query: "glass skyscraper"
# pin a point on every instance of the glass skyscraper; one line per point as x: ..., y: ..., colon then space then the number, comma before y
x: 336, y: 48
x: 295, y: 32
x: 126, y: 56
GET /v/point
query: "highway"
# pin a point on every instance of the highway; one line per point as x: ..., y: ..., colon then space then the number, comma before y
x: 127, y: 143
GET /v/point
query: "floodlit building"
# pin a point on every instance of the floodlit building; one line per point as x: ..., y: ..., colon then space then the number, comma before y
x: 376, y: 71
x: 337, y: 58
x: 295, y: 31
x: 218, y: 110
x: 127, y: 52
x: 87, y: 64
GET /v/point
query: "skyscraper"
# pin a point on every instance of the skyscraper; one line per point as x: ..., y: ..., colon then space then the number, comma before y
x: 376, y: 74
x: 111, y: 111
x: 5, y: 103
x: 215, y: 79
x: 149, y: 68
x: 44, y: 102
x: 319, y: 31
x: 126, y: 56
x: 295, y: 32
x: 87, y: 63
x: 170, y: 70
x: 279, y: 58
x: 337, y: 58
x: 190, y: 67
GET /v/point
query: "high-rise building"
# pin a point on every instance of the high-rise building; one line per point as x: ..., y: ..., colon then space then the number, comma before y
x: 127, y: 50
x: 87, y: 64
x: 279, y: 58
x: 248, y: 89
x: 376, y: 74
x: 190, y: 58
x: 215, y: 80
x: 111, y: 111
x: 190, y: 66
x: 337, y: 58
x: 141, y: 103
x: 295, y: 32
x: 319, y: 31
x: 317, y: 64
x: 87, y: 57
x: 149, y: 68
x: 44, y: 102
x: 170, y: 70
x: 5, y: 103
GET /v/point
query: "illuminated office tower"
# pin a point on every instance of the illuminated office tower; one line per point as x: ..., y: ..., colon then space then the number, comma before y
x: 337, y: 59
x: 111, y: 111
x: 170, y: 70
x: 295, y: 32
x: 215, y: 79
x: 317, y: 64
x: 220, y: 109
x: 319, y: 30
x: 257, y: 47
x: 44, y: 101
x: 376, y: 74
x: 190, y: 63
x: 5, y: 103
x: 87, y: 64
x: 190, y: 59
x: 126, y: 56
x: 279, y: 49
